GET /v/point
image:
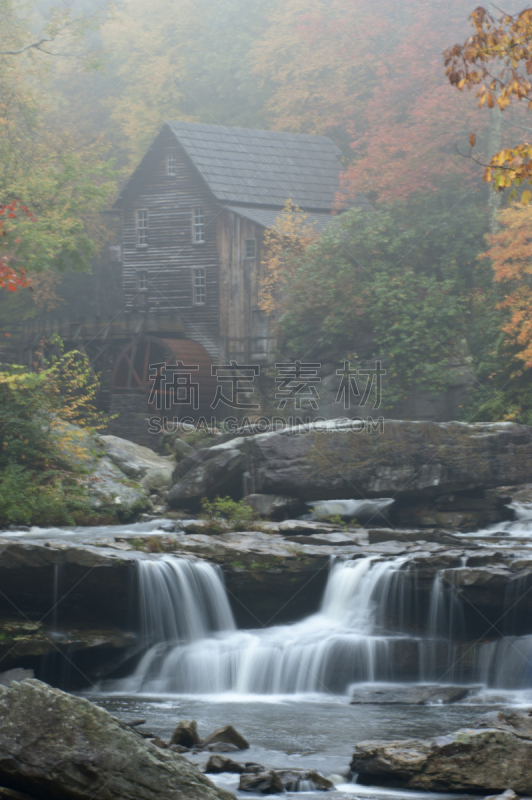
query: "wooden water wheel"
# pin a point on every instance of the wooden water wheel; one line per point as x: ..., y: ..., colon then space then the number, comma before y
x: 150, y: 366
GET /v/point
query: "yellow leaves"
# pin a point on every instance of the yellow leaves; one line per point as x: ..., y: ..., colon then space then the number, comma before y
x: 510, y: 167
x: 282, y: 247
x: 526, y: 197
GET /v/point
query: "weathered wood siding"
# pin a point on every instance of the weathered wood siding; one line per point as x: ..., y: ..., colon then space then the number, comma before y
x: 171, y: 256
x: 243, y: 326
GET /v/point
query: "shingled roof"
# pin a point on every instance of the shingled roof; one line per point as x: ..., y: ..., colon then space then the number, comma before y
x: 262, y: 168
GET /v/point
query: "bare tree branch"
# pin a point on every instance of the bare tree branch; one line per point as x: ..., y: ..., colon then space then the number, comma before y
x: 34, y: 45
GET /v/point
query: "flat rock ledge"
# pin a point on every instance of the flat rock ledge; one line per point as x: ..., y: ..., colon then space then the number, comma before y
x: 491, y: 757
x: 53, y: 744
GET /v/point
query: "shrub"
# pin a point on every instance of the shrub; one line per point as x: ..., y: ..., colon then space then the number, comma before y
x: 225, y: 515
x: 47, y: 498
x: 39, y: 477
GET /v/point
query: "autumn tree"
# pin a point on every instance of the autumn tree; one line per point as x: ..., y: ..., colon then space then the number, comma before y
x: 10, y: 279
x: 61, y: 177
x: 282, y: 249
x: 496, y: 61
x: 166, y: 60
x: 510, y: 254
x: 369, y: 75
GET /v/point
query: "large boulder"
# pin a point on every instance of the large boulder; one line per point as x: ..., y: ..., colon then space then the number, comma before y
x: 55, y: 745
x: 284, y: 780
x: 152, y: 471
x: 404, y: 459
x: 110, y: 490
x: 207, y: 472
x: 452, y: 464
x: 491, y: 757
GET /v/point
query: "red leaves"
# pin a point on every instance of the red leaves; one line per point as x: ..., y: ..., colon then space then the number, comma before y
x: 10, y: 279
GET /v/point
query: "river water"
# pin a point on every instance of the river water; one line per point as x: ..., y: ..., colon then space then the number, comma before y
x: 298, y: 732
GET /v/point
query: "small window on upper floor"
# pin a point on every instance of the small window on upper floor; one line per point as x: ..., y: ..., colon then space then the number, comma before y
x: 250, y: 248
x: 142, y: 227
x: 199, y: 286
x: 170, y: 162
x: 198, y: 225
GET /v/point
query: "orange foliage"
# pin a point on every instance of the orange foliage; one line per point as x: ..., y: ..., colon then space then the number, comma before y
x: 511, y: 257
x: 369, y: 74
x: 44, y: 287
x: 498, y: 60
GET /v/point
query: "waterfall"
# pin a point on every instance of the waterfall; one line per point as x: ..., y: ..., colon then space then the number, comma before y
x: 181, y: 600
x: 326, y: 652
x: 439, y: 655
x: 506, y: 663
x: 372, y: 626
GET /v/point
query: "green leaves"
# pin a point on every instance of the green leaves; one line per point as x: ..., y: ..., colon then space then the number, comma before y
x: 394, y: 284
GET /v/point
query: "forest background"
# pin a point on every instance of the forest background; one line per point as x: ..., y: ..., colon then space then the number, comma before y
x: 85, y: 86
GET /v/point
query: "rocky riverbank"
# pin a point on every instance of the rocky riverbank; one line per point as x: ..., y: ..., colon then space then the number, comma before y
x: 446, y: 475
x: 56, y: 745
x: 492, y: 756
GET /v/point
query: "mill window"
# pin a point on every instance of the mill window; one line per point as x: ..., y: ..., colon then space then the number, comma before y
x: 142, y: 227
x: 199, y: 286
x: 142, y: 281
x: 170, y: 162
x: 198, y: 225
x: 250, y: 248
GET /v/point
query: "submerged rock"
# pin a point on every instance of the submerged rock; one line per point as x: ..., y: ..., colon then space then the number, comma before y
x: 267, y: 782
x: 217, y: 764
x: 493, y: 756
x: 304, y: 780
x: 416, y: 694
x: 221, y: 747
x: 283, y: 780
x: 509, y: 794
x: 55, y: 745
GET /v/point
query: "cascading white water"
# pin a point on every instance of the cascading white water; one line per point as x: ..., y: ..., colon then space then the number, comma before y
x: 325, y: 652
x: 439, y: 655
x: 361, y: 633
x: 506, y: 663
x: 181, y: 600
